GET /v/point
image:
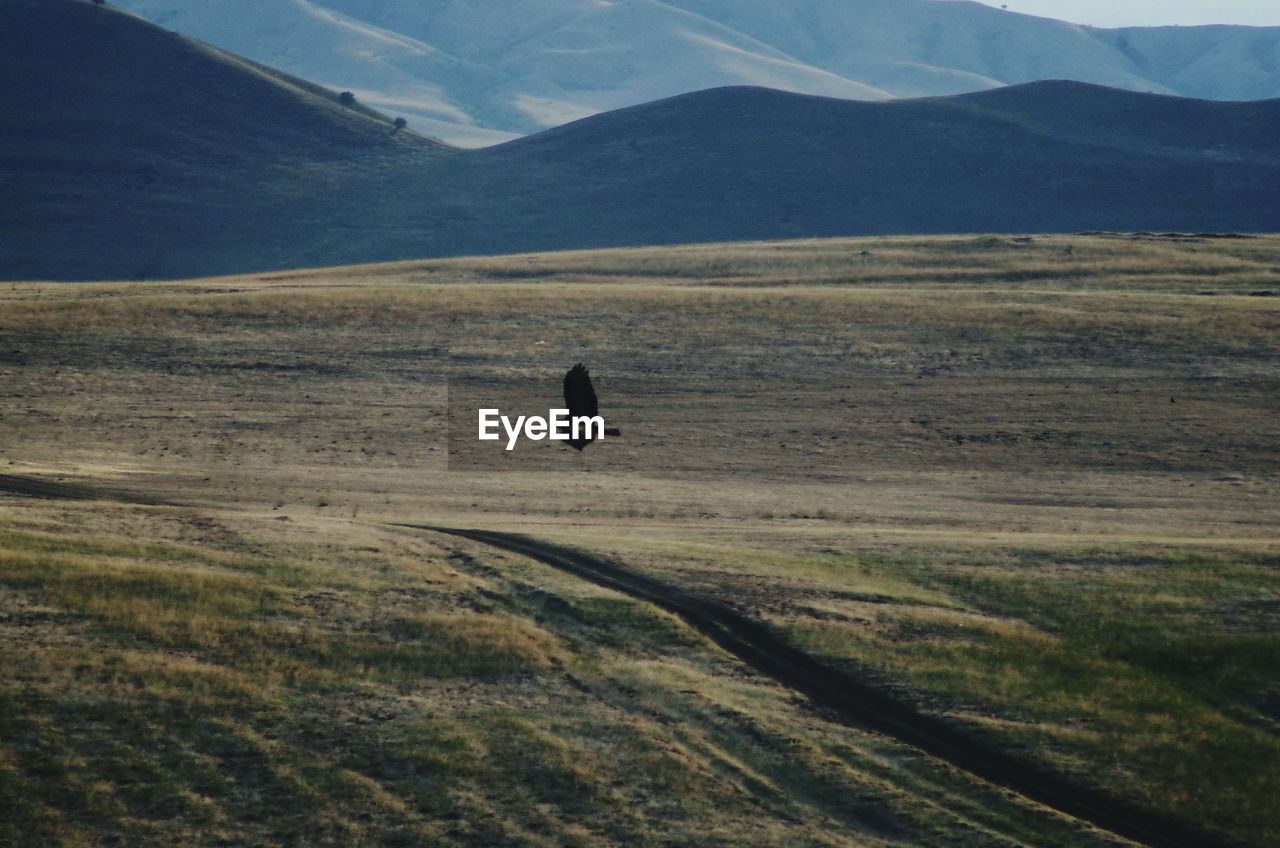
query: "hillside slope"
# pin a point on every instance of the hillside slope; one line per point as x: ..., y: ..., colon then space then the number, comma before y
x: 949, y: 466
x: 168, y: 158
x: 477, y: 74
x: 750, y: 163
x: 132, y: 150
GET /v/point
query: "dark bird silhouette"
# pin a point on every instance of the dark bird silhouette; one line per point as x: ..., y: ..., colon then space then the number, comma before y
x: 580, y: 398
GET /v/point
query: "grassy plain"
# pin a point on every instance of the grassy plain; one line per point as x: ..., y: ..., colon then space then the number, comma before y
x: 1029, y: 484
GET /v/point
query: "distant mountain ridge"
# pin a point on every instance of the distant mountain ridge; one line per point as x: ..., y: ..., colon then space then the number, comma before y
x: 480, y: 73
x: 128, y: 152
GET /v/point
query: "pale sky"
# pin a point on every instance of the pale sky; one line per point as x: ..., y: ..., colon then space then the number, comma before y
x: 1110, y: 13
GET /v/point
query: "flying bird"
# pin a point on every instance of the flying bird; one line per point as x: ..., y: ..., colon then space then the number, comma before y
x: 580, y: 398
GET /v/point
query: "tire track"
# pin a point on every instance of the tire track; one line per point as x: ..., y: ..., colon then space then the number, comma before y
x: 854, y: 701
x: 34, y: 487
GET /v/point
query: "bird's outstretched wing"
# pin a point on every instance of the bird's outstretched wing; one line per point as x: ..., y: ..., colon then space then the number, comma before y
x: 579, y: 396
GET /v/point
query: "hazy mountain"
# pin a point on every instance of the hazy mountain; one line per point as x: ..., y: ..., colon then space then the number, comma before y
x: 478, y: 73
x: 130, y: 152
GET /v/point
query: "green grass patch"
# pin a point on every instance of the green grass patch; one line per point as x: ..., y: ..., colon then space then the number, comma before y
x: 1137, y: 671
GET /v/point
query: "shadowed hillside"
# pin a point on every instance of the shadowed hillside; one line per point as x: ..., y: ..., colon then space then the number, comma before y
x: 130, y: 152
x: 1045, y: 157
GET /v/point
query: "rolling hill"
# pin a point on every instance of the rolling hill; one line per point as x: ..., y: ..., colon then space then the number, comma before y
x: 255, y: 589
x: 480, y: 73
x: 130, y: 152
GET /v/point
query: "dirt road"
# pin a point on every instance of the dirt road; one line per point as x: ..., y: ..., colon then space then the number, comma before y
x: 35, y: 487
x: 849, y: 699
x: 854, y: 701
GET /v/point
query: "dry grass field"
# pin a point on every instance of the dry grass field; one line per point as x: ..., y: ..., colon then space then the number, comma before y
x: 1031, y: 485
